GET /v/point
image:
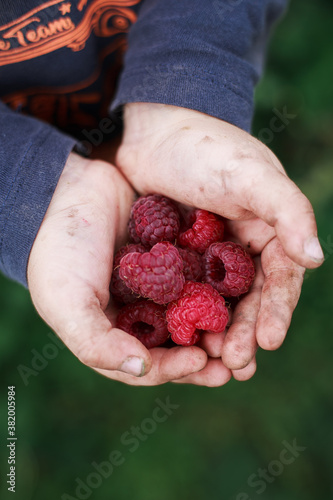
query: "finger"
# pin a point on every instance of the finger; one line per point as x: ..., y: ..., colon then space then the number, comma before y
x: 214, y: 374
x: 212, y: 343
x: 83, y: 326
x: 273, y: 197
x: 280, y: 294
x: 240, y: 344
x: 245, y: 373
x: 167, y: 365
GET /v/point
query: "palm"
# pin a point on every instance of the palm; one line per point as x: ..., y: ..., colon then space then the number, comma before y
x: 70, y: 263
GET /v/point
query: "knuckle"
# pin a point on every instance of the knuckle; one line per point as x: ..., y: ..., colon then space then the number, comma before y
x: 89, y: 355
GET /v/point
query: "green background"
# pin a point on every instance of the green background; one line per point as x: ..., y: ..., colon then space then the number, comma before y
x: 69, y: 417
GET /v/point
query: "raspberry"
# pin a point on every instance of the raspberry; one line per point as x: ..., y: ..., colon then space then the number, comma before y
x: 154, y: 218
x: 192, y: 264
x: 156, y: 275
x: 118, y: 288
x: 206, y: 229
x: 144, y: 320
x: 228, y: 268
x: 199, y: 307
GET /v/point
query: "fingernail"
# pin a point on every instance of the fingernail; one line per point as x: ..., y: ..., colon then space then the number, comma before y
x: 313, y: 249
x: 133, y: 366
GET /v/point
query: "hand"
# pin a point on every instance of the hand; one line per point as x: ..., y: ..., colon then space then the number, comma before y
x: 204, y: 162
x: 69, y: 272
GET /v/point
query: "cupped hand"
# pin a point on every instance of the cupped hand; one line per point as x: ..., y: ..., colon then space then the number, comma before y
x: 204, y: 162
x: 69, y: 272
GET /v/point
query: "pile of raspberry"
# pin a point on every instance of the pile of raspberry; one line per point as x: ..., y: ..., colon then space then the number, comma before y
x: 173, y: 277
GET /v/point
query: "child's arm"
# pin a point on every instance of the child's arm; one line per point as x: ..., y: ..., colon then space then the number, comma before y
x: 73, y: 212
x: 32, y: 156
x: 68, y: 214
x: 207, y: 56
x: 202, y: 55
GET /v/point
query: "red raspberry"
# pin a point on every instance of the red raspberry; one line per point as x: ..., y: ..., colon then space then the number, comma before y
x: 192, y: 264
x: 206, y: 229
x: 144, y: 320
x: 228, y: 268
x: 156, y: 275
x: 118, y: 287
x: 199, y: 307
x: 154, y: 218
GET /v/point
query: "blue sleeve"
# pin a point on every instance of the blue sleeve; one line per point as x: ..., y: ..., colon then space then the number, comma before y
x: 32, y: 157
x: 203, y: 55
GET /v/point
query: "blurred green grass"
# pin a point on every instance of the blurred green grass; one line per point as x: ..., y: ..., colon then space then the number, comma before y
x: 68, y: 416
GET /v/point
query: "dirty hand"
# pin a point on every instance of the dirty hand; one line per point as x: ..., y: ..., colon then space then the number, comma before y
x: 207, y: 163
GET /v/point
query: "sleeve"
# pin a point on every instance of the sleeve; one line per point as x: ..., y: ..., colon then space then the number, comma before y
x: 203, y: 55
x: 32, y: 157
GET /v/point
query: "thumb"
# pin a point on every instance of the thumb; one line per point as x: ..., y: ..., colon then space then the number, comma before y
x: 89, y: 334
x: 272, y: 196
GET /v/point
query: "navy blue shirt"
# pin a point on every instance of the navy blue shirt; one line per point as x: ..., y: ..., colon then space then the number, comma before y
x: 65, y: 66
